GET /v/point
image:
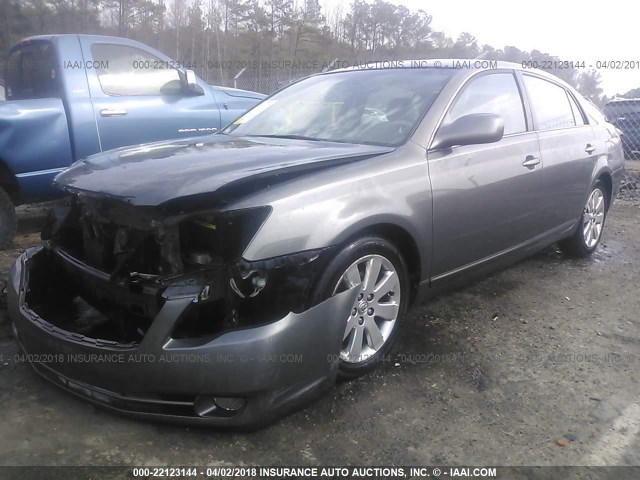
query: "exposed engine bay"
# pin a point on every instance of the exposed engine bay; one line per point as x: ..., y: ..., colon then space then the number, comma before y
x: 111, y: 266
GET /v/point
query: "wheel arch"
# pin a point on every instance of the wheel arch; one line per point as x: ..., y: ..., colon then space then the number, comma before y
x: 401, y: 238
x: 606, y: 178
x: 9, y: 182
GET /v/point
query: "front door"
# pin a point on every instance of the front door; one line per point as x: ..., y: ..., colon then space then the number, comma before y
x: 486, y: 197
x: 139, y: 97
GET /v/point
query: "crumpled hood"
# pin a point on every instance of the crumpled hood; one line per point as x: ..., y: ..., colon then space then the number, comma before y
x: 156, y: 173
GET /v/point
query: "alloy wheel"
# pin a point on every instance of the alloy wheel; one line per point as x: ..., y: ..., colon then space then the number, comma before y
x: 593, y: 218
x: 375, y: 310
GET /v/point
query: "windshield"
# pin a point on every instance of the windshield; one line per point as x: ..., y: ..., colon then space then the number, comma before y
x: 379, y: 107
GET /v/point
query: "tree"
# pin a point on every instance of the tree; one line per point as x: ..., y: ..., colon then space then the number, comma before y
x: 441, y: 43
x: 589, y: 86
x: 177, y: 17
x: 307, y: 21
x: 213, y: 33
x: 13, y: 22
x: 466, y: 46
x: 633, y: 93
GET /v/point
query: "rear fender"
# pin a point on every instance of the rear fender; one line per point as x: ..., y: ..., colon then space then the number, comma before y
x: 34, y: 144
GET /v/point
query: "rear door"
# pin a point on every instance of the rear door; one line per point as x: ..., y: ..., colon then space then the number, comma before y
x: 568, y: 148
x: 486, y: 197
x: 138, y: 97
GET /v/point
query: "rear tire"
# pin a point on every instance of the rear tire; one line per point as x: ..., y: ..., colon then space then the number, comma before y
x: 8, y: 223
x: 588, y: 233
x: 372, y: 324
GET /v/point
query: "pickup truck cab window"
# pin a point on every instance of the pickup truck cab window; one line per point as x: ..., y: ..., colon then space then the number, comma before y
x: 125, y: 70
x: 495, y: 93
x: 32, y: 72
x: 550, y: 104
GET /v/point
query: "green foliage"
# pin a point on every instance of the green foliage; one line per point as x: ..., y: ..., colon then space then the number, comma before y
x: 589, y: 86
x: 633, y: 93
x: 220, y: 37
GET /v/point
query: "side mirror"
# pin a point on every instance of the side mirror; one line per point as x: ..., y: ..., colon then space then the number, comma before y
x: 469, y: 130
x: 192, y: 83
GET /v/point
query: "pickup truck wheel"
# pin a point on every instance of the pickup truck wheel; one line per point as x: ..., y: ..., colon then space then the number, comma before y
x: 7, y: 220
x: 379, y: 270
x: 588, y: 233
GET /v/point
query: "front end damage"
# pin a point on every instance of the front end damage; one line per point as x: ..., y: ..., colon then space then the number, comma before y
x: 159, y: 316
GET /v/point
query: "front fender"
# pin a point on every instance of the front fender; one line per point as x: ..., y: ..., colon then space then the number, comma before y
x: 232, y: 106
x: 328, y: 208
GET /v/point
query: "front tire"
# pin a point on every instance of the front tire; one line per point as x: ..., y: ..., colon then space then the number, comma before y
x: 588, y: 233
x: 7, y: 220
x: 371, y: 325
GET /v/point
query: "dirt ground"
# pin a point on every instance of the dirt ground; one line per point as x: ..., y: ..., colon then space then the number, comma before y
x: 497, y: 373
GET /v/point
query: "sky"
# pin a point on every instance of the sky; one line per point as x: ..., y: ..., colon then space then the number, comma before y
x: 569, y: 29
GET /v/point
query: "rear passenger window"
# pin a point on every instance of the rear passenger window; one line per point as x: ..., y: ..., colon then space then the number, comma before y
x: 495, y: 93
x: 577, y: 114
x: 594, y: 114
x: 550, y: 104
x: 124, y: 70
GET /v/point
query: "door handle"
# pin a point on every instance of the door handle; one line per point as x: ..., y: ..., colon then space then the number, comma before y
x: 107, y: 112
x: 590, y: 148
x: 530, y: 161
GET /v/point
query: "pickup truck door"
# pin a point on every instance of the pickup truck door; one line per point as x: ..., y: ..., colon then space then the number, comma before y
x: 138, y: 95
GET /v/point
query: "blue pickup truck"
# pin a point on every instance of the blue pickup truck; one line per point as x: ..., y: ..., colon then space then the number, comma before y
x: 70, y: 96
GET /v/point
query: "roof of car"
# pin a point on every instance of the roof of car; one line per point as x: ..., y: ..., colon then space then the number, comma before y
x: 455, y: 63
x: 56, y: 35
x: 623, y: 100
x: 462, y: 64
x: 52, y: 38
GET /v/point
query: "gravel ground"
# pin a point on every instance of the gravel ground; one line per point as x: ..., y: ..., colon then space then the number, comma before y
x: 630, y: 187
x: 535, y: 365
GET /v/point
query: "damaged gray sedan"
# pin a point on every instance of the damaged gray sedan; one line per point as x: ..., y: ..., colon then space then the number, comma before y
x: 226, y: 279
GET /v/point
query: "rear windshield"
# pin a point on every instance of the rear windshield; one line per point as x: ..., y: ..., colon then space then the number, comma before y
x: 32, y: 72
x: 619, y: 109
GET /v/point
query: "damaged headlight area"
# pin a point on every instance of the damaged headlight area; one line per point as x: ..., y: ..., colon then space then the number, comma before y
x: 108, y: 268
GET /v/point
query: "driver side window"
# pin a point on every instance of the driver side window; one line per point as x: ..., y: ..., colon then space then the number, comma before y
x: 124, y: 70
x: 495, y: 93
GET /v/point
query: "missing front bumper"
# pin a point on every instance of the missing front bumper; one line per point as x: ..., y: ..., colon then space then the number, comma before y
x: 267, y: 369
